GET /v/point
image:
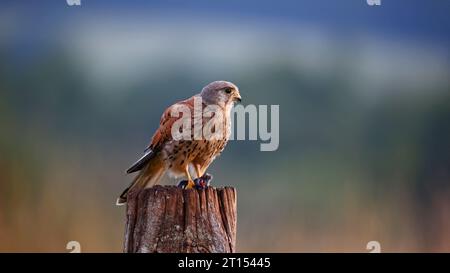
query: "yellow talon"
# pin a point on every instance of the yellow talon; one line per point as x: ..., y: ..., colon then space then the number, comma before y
x: 190, y: 184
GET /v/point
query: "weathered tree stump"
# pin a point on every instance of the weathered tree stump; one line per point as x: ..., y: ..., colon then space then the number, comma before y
x: 168, y: 219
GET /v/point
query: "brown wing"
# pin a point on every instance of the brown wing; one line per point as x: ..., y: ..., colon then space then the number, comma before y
x: 161, y: 136
x: 164, y: 134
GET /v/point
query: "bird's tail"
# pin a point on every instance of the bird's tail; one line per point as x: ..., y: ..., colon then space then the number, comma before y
x: 147, y: 177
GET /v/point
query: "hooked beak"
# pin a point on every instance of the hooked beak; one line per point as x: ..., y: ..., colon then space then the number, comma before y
x: 238, y: 97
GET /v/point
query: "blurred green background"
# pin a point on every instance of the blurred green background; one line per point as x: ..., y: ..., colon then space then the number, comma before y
x: 364, y: 95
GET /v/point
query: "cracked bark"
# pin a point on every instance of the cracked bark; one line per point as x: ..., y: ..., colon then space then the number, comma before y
x: 167, y: 219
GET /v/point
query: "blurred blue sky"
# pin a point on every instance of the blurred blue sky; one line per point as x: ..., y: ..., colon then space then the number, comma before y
x: 414, y: 18
x: 416, y: 31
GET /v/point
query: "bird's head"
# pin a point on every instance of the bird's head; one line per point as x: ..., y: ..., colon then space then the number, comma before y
x: 221, y: 93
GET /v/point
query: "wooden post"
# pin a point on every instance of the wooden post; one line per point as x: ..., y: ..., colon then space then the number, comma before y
x: 168, y: 219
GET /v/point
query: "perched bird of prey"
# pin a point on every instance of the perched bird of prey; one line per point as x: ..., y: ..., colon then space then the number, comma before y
x: 170, y: 153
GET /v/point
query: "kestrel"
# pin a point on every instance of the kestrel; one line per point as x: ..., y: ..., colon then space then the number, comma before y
x: 168, y: 153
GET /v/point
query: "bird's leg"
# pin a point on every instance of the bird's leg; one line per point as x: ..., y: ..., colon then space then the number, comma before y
x: 187, y: 184
x: 203, y: 179
x: 198, y: 170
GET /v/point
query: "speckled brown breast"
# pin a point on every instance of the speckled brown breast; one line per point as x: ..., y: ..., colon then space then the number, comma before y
x: 178, y: 154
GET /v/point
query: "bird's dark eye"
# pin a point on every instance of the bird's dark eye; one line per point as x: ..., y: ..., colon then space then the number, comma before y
x: 228, y: 90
